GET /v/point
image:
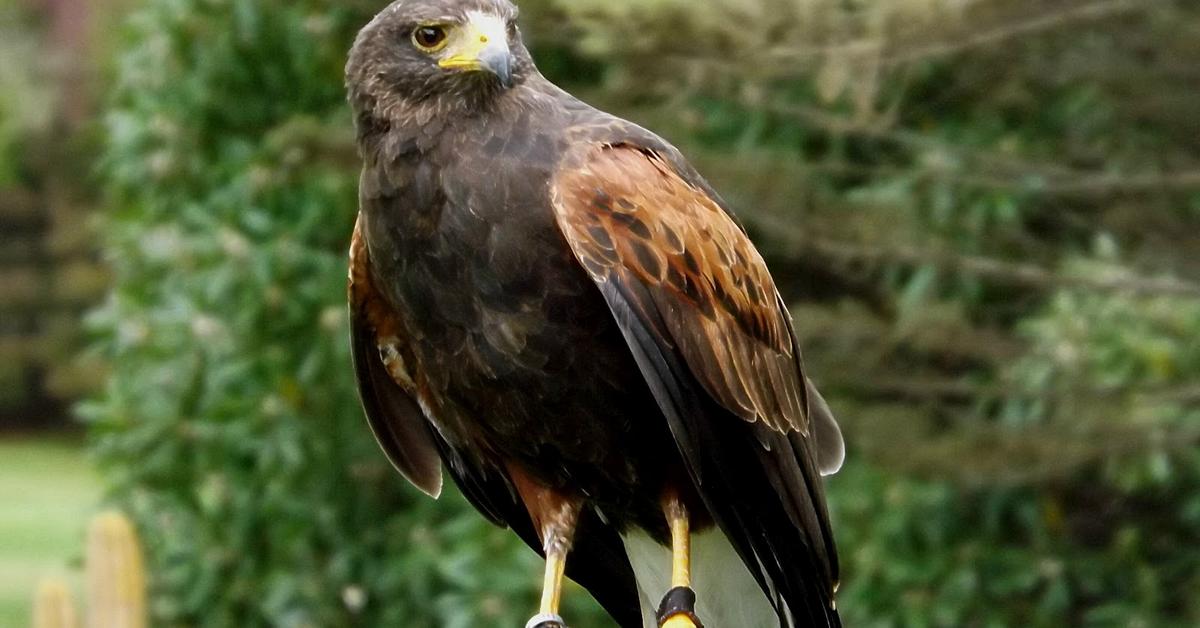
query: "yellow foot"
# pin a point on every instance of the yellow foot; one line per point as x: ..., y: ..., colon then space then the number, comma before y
x: 679, y: 621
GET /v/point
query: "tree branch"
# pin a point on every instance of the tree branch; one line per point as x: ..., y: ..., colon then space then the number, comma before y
x: 997, y: 34
x: 1090, y: 11
x: 1013, y: 273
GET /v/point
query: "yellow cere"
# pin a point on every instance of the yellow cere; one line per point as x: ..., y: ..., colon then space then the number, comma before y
x: 467, y: 43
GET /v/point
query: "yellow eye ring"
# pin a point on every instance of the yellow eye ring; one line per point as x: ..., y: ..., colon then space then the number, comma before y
x: 430, y: 37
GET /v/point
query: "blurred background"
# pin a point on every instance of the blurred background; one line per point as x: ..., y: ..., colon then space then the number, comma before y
x: 985, y: 214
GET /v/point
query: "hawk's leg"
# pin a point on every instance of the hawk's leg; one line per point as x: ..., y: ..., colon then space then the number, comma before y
x: 557, y: 533
x: 678, y: 606
x: 555, y: 516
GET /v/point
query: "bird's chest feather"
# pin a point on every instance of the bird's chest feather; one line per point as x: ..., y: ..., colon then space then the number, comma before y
x: 505, y: 323
x: 458, y: 247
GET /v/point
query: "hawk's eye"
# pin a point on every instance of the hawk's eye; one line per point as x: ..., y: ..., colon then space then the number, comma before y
x: 430, y: 38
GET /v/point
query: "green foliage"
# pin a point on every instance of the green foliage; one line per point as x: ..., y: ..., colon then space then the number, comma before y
x: 47, y: 491
x: 985, y: 227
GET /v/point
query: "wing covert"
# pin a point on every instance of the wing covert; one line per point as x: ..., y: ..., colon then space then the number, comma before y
x: 628, y: 216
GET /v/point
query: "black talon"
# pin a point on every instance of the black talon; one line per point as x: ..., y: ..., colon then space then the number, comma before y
x: 678, y: 601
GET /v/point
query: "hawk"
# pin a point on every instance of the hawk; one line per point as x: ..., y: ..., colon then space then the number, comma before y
x: 549, y: 303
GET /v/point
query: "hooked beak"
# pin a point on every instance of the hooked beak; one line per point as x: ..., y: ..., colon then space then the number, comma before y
x: 482, y: 45
x: 499, y: 62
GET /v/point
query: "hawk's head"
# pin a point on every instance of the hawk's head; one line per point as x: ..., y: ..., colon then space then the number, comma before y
x: 433, y: 58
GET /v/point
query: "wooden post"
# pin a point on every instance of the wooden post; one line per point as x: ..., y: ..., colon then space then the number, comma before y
x: 116, y: 578
x: 52, y: 605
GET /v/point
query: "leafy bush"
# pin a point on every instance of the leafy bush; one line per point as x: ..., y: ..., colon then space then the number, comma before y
x: 982, y: 210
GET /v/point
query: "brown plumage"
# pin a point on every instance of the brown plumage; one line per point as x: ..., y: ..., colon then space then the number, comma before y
x: 548, y: 301
x: 629, y: 217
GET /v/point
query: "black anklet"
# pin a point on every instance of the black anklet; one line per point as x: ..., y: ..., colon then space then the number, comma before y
x: 679, y: 601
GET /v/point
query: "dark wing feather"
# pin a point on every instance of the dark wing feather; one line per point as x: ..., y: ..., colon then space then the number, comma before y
x: 388, y: 391
x: 704, y: 321
x: 395, y: 418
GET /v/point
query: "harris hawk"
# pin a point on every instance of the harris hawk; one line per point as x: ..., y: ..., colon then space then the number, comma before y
x: 551, y: 304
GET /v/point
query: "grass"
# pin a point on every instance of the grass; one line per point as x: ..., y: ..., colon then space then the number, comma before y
x: 47, y: 492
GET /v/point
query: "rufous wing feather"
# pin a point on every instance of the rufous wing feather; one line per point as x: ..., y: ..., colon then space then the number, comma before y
x: 628, y: 216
